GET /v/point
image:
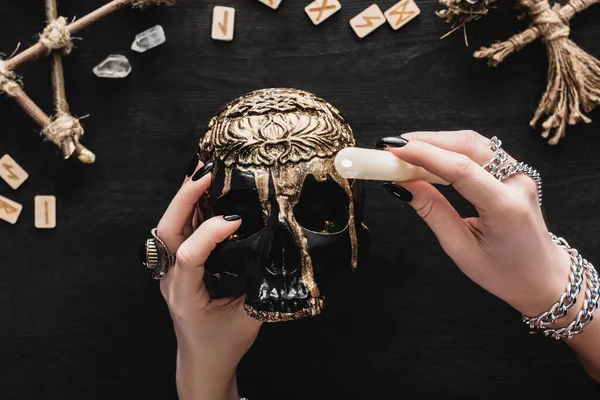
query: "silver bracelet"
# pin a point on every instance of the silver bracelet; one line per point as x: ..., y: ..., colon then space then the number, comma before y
x: 569, y: 297
x: 590, y: 306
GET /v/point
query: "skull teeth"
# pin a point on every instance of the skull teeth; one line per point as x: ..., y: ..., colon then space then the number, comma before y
x: 289, y: 295
x: 295, y: 290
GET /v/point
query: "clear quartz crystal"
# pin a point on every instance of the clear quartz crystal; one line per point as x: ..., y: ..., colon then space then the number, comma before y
x: 114, y: 66
x: 149, y: 39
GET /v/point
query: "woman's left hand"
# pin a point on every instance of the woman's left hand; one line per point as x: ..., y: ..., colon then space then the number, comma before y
x: 212, y: 335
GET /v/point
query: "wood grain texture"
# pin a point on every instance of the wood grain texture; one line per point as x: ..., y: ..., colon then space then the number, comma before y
x: 9, y: 210
x: 80, y: 319
x: 223, y: 23
x: 402, y: 13
x: 45, y: 212
x: 367, y: 21
x: 319, y: 10
x: 11, y: 172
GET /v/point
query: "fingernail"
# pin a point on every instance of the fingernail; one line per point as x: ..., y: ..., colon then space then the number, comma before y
x: 399, y: 192
x: 230, y: 218
x: 193, y: 165
x: 203, y: 171
x: 391, y: 141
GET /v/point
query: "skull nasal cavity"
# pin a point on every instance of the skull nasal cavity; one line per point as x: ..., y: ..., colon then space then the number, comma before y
x: 284, y: 255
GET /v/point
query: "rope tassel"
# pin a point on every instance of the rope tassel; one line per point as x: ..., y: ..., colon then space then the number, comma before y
x: 573, y: 85
x: 573, y: 74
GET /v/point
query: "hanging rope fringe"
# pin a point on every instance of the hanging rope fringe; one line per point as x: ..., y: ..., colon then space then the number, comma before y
x: 573, y: 75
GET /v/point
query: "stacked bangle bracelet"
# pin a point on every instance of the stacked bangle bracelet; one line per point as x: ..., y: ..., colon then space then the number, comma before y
x: 579, y: 268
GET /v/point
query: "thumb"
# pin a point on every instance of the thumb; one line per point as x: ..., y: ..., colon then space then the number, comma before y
x: 187, y: 276
x: 451, y: 230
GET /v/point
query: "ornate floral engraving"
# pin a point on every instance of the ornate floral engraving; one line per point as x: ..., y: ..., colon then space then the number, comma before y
x: 276, y: 126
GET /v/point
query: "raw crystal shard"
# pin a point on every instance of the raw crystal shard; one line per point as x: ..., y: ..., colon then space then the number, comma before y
x: 114, y: 66
x: 149, y: 39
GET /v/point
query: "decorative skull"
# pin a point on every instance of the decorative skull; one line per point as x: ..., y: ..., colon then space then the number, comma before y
x: 273, y: 151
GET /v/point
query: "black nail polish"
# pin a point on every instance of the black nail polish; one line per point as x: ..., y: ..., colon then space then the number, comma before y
x: 203, y: 171
x: 391, y: 141
x: 399, y: 192
x: 193, y: 165
x: 230, y: 218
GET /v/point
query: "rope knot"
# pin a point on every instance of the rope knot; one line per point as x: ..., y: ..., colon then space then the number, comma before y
x: 548, y: 21
x: 8, y: 81
x: 64, y: 131
x: 57, y: 36
x: 578, y: 5
x: 518, y: 42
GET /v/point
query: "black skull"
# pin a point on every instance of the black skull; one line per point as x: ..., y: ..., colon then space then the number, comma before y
x: 273, y: 152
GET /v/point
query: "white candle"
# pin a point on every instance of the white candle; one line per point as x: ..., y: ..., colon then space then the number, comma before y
x: 380, y: 165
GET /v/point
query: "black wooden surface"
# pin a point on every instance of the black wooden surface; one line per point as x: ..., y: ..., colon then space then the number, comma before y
x: 80, y: 319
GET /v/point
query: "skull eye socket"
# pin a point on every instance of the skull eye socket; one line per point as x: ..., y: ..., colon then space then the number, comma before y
x: 322, y: 207
x: 244, y: 202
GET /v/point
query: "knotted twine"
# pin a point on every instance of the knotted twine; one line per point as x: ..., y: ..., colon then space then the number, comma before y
x: 573, y: 74
x: 64, y: 131
x: 8, y: 81
x: 57, y: 36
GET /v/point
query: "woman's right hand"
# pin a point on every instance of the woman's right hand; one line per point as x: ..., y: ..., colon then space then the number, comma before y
x: 506, y: 249
x: 212, y: 335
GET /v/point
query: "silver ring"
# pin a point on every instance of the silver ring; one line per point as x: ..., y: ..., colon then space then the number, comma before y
x: 499, y: 159
x: 155, y: 256
x: 501, y: 172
